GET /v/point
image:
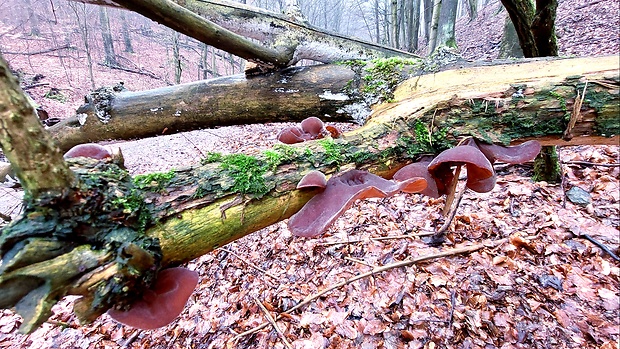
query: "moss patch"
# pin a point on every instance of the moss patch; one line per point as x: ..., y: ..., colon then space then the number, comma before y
x: 247, y: 173
x: 153, y: 181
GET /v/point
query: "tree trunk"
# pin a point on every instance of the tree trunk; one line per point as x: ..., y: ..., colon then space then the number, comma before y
x: 509, y: 46
x: 84, y: 34
x: 33, y: 19
x: 428, y: 14
x: 288, y: 95
x: 413, y: 24
x: 115, y: 229
x: 176, y: 58
x: 446, y: 23
x: 106, y: 35
x: 535, y: 26
x: 432, y: 36
x: 125, y: 32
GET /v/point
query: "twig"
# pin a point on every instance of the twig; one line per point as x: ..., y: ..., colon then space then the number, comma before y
x: 612, y: 86
x: 41, y: 51
x: 575, y: 114
x: 586, y: 5
x: 452, y: 305
x: 600, y: 245
x: 452, y: 212
x: 272, y: 322
x: 586, y: 163
x: 194, y: 145
x: 381, y: 238
x: 359, y: 261
x: 405, y: 263
x: 131, y: 339
x: 451, y: 191
x: 4, y: 217
x: 35, y: 85
x: 248, y: 263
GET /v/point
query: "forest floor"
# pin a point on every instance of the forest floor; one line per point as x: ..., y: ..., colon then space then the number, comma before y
x: 545, y: 285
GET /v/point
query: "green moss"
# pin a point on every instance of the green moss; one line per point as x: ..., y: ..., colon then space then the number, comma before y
x: 333, y: 151
x: 247, y: 173
x: 307, y: 152
x: 154, y: 181
x: 211, y: 157
x: 56, y: 95
x: 424, y: 141
x: 288, y: 153
x: 382, y: 76
x: 547, y: 166
x: 361, y: 157
x: 607, y: 106
x: 555, y: 94
x: 273, y: 158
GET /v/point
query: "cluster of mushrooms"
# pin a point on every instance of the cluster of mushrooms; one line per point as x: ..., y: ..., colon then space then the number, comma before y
x: 428, y: 177
x: 166, y: 298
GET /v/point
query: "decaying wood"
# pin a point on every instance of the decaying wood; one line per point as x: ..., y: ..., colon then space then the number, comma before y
x: 182, y: 215
x: 288, y: 95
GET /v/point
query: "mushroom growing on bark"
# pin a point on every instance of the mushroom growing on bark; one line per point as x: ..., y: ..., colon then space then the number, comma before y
x: 324, y: 208
x: 162, y: 303
x: 313, y: 179
x: 309, y: 129
x: 478, y: 159
x: 88, y: 150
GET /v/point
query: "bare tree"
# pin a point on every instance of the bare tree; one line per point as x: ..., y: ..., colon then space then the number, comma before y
x: 33, y: 19
x: 81, y: 17
x: 106, y: 35
x: 125, y: 32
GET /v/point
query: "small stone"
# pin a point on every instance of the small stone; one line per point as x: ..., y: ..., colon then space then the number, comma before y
x: 579, y: 196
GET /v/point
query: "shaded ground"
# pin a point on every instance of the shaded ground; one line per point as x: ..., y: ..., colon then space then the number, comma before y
x: 545, y: 287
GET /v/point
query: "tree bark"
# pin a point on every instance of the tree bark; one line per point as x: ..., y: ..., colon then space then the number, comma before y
x: 129, y: 228
x: 289, y: 95
x: 535, y: 26
x: 125, y: 32
x: 229, y: 26
x: 446, y: 24
x: 106, y: 35
x: 37, y: 162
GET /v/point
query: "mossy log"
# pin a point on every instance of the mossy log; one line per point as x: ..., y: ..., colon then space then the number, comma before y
x: 117, y: 231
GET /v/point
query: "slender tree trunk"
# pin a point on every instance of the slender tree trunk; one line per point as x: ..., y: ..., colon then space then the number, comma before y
x: 82, y: 24
x: 204, y: 61
x: 432, y: 44
x: 428, y: 14
x: 33, y: 19
x: 472, y: 9
x: 125, y: 32
x: 509, y: 46
x: 413, y: 24
x: 377, y: 21
x: 176, y: 58
x: 106, y: 34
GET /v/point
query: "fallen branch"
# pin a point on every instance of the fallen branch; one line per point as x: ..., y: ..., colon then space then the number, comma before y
x: 600, y: 245
x: 586, y: 163
x: 248, y: 263
x: 272, y: 321
x: 405, y: 263
x: 41, y: 51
